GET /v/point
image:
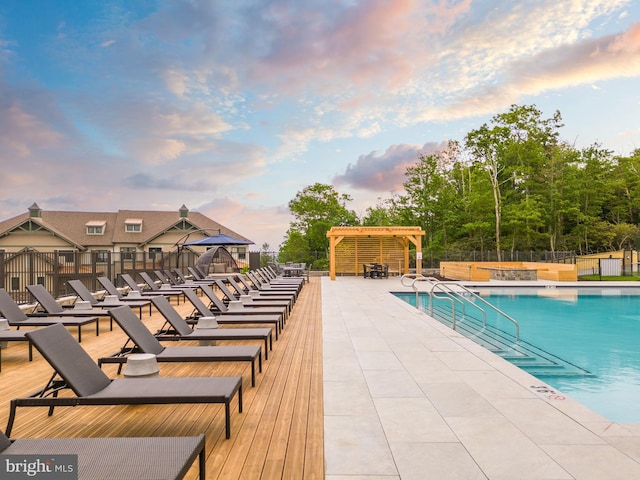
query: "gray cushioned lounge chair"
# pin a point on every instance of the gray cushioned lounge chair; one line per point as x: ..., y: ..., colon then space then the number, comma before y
x: 17, y: 318
x: 133, y: 285
x: 145, y: 342
x: 83, y: 293
x: 14, y: 336
x: 75, y: 370
x: 265, y: 292
x: 249, y: 316
x: 51, y: 307
x: 180, y: 329
x: 219, y: 305
x: 160, y: 458
x: 260, y: 300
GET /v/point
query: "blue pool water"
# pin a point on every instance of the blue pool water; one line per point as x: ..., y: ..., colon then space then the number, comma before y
x: 597, y: 330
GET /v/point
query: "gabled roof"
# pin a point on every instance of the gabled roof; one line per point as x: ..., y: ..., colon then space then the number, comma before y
x: 72, y: 226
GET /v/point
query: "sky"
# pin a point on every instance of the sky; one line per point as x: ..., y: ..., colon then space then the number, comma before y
x: 233, y: 107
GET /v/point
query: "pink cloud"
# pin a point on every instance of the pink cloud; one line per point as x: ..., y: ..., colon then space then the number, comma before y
x: 368, y: 43
x: 386, y: 172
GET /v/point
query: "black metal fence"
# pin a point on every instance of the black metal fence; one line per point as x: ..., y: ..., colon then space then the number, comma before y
x: 55, y: 269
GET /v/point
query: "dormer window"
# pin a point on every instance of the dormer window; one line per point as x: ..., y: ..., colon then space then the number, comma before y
x: 133, y: 225
x: 95, y: 227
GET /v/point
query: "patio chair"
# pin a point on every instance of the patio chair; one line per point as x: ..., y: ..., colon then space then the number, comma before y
x: 75, y: 370
x: 165, y: 281
x: 180, y: 330
x: 133, y: 285
x: 111, y: 289
x: 50, y: 307
x: 229, y: 295
x: 250, y: 287
x: 197, y: 273
x: 167, y: 458
x: 185, y: 281
x: 218, y: 306
x: 268, y: 275
x: 258, y: 300
x: 14, y: 336
x: 17, y: 318
x: 83, y: 293
x: 243, y: 317
x: 144, y: 342
x: 262, y: 284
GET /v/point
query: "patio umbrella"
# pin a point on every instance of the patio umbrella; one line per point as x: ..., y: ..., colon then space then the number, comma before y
x: 220, y: 239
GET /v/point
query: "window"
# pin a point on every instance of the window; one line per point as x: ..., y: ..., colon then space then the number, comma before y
x: 66, y: 256
x: 127, y: 253
x: 102, y: 256
x: 133, y: 225
x: 40, y: 280
x: 15, y: 283
x: 153, y: 251
x: 95, y: 227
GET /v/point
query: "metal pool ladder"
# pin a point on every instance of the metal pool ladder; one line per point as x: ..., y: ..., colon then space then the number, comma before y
x: 456, y: 294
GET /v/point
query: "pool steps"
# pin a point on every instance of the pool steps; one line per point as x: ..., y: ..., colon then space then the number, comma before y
x: 526, y: 356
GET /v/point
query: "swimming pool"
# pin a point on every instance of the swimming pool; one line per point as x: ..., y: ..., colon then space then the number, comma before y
x: 595, y: 331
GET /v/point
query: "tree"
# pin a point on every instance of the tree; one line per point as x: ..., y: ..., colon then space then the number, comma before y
x: 316, y: 209
x: 512, y: 153
x: 295, y: 248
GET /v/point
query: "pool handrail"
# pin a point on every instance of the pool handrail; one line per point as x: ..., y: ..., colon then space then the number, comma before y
x: 452, y: 295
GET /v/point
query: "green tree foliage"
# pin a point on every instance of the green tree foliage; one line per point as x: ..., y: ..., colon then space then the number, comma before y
x: 315, y: 209
x: 513, y: 185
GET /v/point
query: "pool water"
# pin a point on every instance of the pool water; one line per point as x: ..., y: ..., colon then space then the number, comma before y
x: 597, y: 330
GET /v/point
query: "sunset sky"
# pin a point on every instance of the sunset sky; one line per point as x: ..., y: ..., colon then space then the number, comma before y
x: 232, y: 107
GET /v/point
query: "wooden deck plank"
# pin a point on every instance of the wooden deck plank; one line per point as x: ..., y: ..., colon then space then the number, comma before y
x: 278, y: 435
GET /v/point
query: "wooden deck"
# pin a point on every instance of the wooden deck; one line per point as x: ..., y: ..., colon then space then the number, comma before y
x: 279, y: 434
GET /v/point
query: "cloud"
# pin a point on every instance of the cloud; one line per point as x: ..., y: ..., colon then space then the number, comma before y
x: 385, y: 172
x: 569, y: 65
x: 266, y: 224
x: 22, y: 132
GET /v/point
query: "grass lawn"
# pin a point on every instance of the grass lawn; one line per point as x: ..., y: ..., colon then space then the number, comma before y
x: 598, y: 278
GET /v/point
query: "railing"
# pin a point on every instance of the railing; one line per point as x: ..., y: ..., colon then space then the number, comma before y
x: 55, y: 269
x: 456, y: 293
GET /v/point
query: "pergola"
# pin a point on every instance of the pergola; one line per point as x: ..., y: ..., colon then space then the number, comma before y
x: 350, y: 247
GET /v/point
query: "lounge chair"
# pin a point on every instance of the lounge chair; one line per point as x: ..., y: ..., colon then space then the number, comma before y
x: 218, y: 306
x: 145, y: 342
x: 185, y: 281
x: 244, y: 317
x: 275, y: 280
x: 15, y: 336
x: 50, y: 307
x: 91, y: 386
x: 250, y: 288
x: 167, y: 458
x: 198, y: 274
x: 111, y: 289
x: 230, y: 296
x: 180, y: 329
x: 17, y: 318
x: 259, y: 300
x: 84, y: 294
x: 133, y: 285
x: 264, y: 285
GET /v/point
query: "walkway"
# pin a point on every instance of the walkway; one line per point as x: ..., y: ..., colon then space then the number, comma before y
x: 406, y: 397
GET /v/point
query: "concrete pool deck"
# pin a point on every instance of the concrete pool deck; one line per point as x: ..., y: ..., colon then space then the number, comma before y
x: 407, y: 397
